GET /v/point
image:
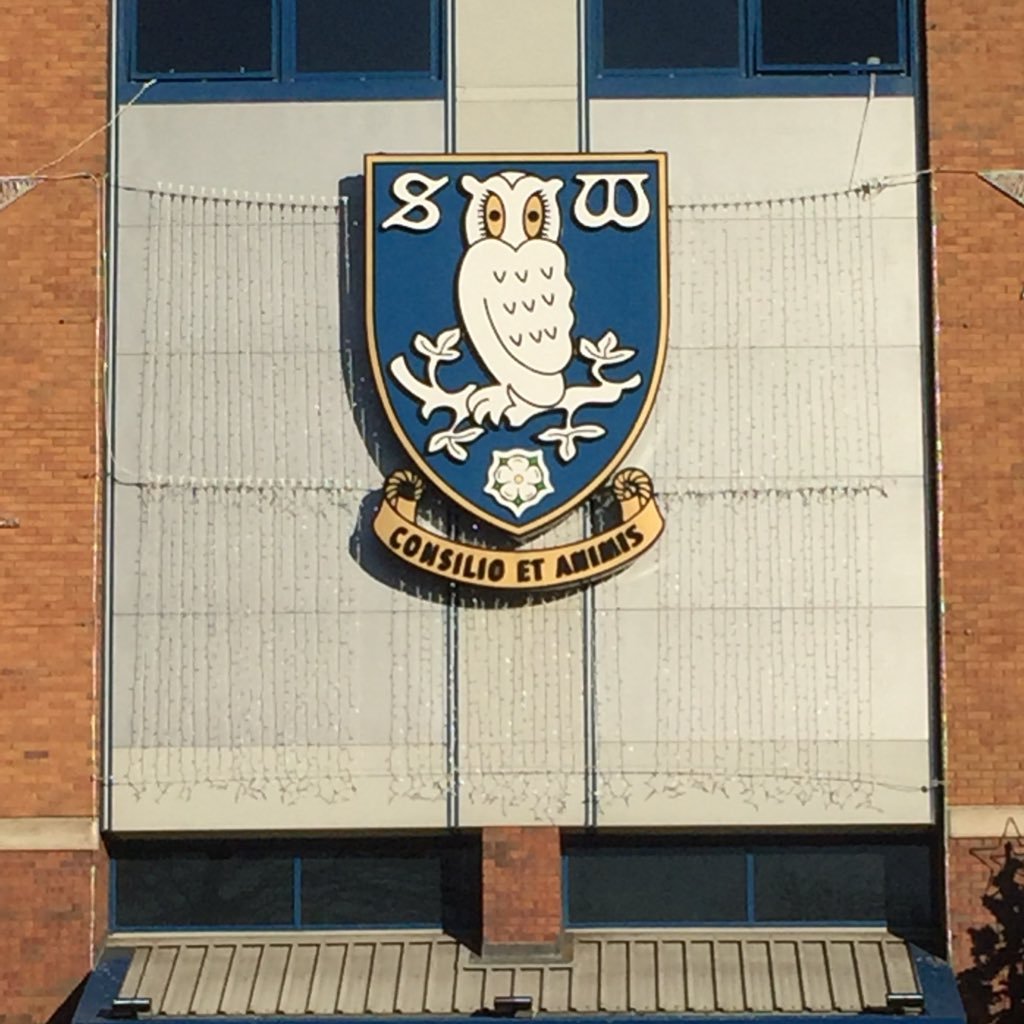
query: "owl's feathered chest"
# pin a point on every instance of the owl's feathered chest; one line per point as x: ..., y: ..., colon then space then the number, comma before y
x: 516, y: 308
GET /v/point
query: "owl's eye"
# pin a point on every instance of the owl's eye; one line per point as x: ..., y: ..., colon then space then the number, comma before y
x: 494, y: 216
x: 533, y: 216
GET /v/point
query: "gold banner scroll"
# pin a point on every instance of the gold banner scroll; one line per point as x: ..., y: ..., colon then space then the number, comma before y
x: 642, y: 523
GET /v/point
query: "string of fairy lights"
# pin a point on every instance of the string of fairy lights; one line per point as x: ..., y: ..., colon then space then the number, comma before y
x: 275, y: 650
x: 519, y: 667
x: 767, y: 452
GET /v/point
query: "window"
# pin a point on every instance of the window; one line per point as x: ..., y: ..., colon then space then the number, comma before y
x: 267, y: 49
x: 737, y: 47
x: 405, y: 882
x: 670, y: 34
x: 646, y: 886
x: 824, y: 885
x: 649, y: 881
x: 209, y: 886
x: 830, y: 35
x: 371, y: 889
x: 355, y: 36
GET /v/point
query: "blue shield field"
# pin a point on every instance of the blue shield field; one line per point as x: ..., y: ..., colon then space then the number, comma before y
x: 516, y: 311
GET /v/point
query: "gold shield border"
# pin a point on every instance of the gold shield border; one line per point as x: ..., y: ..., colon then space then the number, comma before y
x: 372, y: 160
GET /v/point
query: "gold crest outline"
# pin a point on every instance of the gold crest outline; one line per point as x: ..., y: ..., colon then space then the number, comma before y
x: 371, y: 161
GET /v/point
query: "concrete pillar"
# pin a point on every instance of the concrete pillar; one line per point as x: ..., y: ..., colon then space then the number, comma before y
x: 517, y: 89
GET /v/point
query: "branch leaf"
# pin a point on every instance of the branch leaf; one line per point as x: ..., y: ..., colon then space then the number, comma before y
x: 605, y: 351
x: 422, y: 344
x: 468, y: 435
x: 447, y: 341
x: 453, y: 442
x: 565, y: 438
x: 443, y: 348
x: 619, y: 355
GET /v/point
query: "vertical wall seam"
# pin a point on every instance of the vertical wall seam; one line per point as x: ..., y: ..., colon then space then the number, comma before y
x: 448, y: 71
x: 582, y: 96
x: 590, y: 794
x: 106, y: 630
x: 451, y: 608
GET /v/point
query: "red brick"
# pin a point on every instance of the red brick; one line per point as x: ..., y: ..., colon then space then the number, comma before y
x: 974, y: 60
x: 522, y: 886
x: 51, y: 903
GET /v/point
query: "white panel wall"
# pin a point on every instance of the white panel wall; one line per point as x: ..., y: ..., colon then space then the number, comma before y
x: 766, y: 663
x: 270, y: 668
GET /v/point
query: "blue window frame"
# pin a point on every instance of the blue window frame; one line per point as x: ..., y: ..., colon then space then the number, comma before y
x: 224, y: 50
x: 750, y: 47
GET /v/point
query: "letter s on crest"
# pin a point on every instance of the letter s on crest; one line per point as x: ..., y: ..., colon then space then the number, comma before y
x: 419, y: 200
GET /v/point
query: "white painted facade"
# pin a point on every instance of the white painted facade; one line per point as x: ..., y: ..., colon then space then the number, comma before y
x: 765, y: 664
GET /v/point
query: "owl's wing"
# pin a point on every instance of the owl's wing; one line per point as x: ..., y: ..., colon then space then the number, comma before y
x: 516, y: 308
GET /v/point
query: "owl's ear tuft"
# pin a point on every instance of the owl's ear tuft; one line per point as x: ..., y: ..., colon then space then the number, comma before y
x: 552, y: 186
x: 470, y: 185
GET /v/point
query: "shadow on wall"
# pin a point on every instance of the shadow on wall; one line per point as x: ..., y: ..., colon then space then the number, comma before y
x: 993, y: 989
x: 371, y: 421
x: 366, y: 406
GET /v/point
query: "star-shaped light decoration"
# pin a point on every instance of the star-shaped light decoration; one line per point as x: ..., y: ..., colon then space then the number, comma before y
x: 1006, y: 855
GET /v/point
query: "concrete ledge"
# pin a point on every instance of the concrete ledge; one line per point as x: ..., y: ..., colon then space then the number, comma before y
x: 49, y: 834
x: 979, y: 821
x: 497, y: 953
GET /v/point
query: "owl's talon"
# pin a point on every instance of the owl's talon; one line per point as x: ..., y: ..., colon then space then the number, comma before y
x: 489, y: 403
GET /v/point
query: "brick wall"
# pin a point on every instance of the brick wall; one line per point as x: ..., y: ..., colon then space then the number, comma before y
x: 987, y: 896
x: 48, y: 485
x: 47, y: 903
x: 53, y: 67
x: 976, y: 121
x: 522, y: 890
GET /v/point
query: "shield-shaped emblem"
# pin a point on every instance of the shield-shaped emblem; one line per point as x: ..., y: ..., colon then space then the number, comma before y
x: 517, y: 320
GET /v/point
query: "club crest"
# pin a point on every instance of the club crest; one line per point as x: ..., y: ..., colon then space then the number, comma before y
x: 516, y: 312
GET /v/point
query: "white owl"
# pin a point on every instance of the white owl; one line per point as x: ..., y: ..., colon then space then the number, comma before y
x: 514, y: 295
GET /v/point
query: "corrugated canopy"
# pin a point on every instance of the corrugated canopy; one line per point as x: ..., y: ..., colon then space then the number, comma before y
x: 725, y: 971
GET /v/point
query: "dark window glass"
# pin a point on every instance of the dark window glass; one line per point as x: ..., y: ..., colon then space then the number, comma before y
x: 353, y: 35
x: 801, y: 884
x: 671, y: 34
x: 197, y: 36
x: 164, y: 889
x: 461, y: 897
x: 368, y: 889
x: 816, y: 32
x: 908, y: 886
x: 656, y: 886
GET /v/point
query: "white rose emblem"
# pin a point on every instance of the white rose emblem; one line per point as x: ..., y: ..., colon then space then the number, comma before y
x: 518, y: 479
